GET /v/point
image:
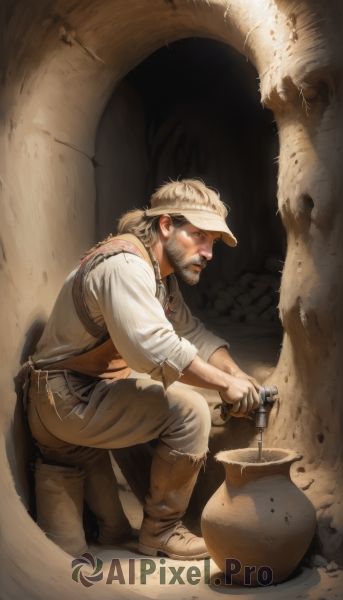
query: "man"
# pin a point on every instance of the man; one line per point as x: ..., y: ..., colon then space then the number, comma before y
x: 121, y: 309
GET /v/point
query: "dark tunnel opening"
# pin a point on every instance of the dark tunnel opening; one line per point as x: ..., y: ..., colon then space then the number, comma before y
x: 192, y: 109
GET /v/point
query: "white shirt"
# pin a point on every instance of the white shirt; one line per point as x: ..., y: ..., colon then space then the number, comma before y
x: 120, y: 292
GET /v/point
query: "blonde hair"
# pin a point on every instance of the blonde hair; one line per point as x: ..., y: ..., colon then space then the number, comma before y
x: 139, y: 224
x: 193, y: 191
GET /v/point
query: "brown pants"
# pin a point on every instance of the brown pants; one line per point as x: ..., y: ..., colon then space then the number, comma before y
x: 67, y: 410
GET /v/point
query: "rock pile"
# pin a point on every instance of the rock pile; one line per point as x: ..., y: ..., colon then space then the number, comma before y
x: 252, y: 298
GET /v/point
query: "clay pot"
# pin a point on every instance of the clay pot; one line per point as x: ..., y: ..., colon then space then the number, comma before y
x: 258, y: 517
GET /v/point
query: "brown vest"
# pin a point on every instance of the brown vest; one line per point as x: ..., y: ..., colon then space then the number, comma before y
x: 103, y: 361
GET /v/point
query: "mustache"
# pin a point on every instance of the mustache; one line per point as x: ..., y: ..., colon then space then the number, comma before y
x: 201, y: 262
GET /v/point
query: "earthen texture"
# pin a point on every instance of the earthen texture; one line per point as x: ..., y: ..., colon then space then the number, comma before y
x: 61, y: 62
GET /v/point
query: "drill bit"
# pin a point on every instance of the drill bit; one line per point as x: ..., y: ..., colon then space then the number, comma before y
x: 259, y: 443
x: 266, y: 397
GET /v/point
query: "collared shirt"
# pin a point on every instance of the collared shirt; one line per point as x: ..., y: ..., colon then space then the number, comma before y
x: 121, y: 293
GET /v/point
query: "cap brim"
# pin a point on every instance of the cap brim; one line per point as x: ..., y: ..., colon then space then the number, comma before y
x: 212, y: 222
x: 208, y: 221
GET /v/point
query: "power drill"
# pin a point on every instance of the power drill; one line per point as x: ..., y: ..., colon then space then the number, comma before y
x: 266, y: 397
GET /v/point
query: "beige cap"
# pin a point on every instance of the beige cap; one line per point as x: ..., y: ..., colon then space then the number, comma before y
x: 200, y: 205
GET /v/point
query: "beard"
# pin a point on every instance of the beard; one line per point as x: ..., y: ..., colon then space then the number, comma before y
x: 176, y: 258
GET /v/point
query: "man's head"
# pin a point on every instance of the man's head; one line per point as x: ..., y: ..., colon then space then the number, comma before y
x: 199, y: 204
x: 184, y: 221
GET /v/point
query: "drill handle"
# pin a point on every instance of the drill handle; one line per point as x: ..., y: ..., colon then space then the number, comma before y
x: 267, y: 395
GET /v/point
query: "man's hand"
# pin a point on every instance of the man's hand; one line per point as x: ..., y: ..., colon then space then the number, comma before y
x: 241, y: 375
x: 242, y: 394
x: 238, y: 391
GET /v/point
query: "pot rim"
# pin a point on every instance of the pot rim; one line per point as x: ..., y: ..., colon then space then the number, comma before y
x: 290, y: 456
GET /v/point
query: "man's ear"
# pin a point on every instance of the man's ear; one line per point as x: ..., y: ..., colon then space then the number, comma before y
x: 165, y: 226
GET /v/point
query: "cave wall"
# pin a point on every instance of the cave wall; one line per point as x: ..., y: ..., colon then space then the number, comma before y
x: 61, y: 61
x: 310, y: 302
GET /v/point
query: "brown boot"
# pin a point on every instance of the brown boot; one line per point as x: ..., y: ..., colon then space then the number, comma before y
x: 100, y: 491
x: 172, y: 480
x: 59, y: 496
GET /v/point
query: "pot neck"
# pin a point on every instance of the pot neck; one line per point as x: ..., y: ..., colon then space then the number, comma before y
x: 240, y: 471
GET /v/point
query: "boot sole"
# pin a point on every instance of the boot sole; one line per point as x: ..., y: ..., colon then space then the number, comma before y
x: 158, y: 552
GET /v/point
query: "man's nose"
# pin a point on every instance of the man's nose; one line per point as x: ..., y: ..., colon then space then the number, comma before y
x: 206, y: 250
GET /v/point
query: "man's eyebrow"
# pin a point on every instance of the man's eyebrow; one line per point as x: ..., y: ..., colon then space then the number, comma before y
x: 218, y: 237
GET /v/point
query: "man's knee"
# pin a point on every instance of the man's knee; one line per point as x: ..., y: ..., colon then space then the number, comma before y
x: 191, y: 408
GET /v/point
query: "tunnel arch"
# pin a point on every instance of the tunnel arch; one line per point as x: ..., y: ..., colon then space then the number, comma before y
x: 49, y: 120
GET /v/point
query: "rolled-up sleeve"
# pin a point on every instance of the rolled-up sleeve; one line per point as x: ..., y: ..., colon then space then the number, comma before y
x: 191, y: 328
x: 123, y: 287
